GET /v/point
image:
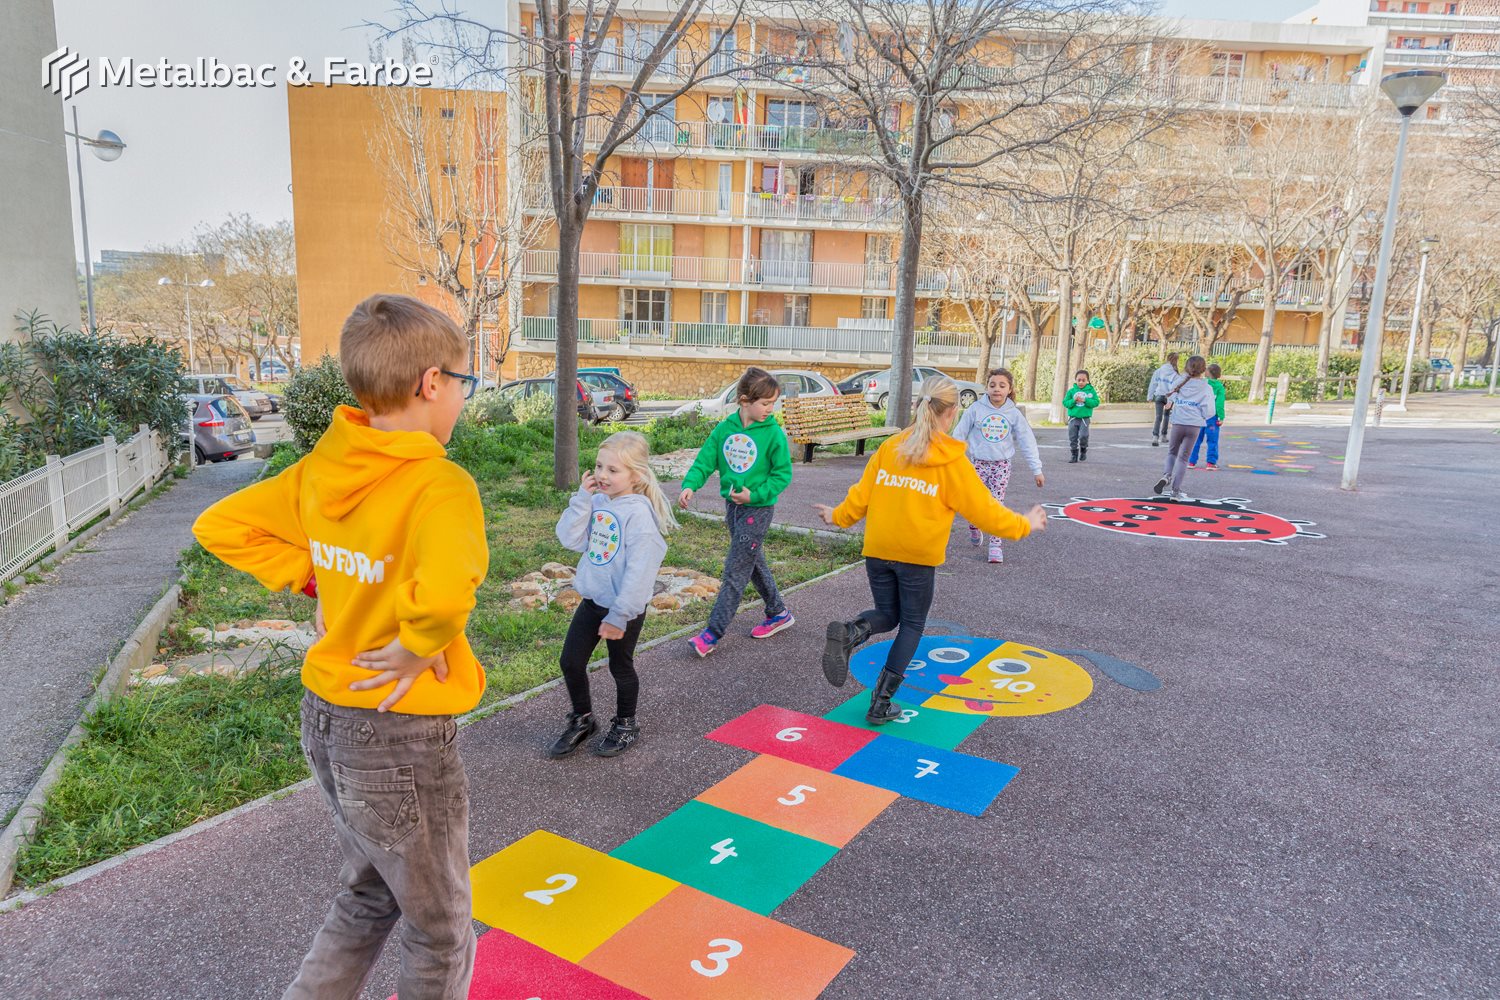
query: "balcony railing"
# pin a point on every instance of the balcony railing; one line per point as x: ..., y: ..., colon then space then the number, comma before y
x: 664, y: 136
x: 790, y: 275
x: 729, y: 205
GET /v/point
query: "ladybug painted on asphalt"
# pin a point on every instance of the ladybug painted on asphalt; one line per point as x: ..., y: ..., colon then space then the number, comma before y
x: 1226, y: 520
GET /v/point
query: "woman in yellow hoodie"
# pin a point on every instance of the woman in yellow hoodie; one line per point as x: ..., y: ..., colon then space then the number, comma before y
x: 911, y: 488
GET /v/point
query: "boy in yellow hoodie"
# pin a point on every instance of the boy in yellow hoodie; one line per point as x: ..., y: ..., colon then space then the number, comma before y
x: 389, y: 536
x: 911, y: 488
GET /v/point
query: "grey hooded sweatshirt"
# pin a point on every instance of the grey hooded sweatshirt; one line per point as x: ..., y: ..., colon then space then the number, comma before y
x: 622, y: 548
x: 995, y: 433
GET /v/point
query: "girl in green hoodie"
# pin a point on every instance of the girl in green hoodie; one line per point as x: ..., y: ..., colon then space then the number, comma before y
x: 750, y: 453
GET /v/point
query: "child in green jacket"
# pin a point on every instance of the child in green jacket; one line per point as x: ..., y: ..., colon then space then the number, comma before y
x: 1080, y: 402
x: 1210, y: 431
x: 750, y: 453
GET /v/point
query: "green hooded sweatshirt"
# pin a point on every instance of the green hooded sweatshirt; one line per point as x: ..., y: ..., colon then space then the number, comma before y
x: 1218, y: 388
x: 757, y: 458
x: 1090, y: 400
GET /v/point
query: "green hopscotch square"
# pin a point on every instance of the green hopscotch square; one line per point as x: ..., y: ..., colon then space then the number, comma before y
x: 931, y: 726
x: 767, y: 866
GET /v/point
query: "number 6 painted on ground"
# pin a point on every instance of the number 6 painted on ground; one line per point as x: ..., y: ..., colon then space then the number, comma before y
x: 791, y: 734
x: 544, y: 896
x: 729, y: 949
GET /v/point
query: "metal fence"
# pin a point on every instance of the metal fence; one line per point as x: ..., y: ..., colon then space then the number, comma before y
x: 39, y: 510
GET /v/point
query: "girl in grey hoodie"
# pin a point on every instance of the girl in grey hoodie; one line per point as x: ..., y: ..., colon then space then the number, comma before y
x: 616, y: 519
x: 1192, y: 404
x: 994, y: 429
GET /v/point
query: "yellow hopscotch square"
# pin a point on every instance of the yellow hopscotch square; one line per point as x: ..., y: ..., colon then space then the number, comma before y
x: 562, y: 896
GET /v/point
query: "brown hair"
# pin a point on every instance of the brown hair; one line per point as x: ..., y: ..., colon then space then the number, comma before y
x: 1215, y: 371
x: 388, y: 341
x: 1082, y: 371
x: 755, y: 384
x: 1172, y: 359
x: 1196, y: 366
x: 1003, y: 373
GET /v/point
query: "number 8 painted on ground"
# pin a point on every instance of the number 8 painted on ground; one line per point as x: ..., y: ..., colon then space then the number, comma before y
x: 730, y: 948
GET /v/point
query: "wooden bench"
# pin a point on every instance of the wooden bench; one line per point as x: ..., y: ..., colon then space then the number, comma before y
x: 814, y: 420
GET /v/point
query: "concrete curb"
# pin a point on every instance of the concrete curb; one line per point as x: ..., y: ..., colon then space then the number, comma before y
x: 137, y: 652
x: 795, y: 529
x: 21, y: 899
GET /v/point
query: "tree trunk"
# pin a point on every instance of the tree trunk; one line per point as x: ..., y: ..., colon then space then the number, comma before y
x: 565, y: 413
x: 1033, y: 355
x: 1263, y: 349
x: 1064, y: 331
x: 1424, y: 349
x: 1462, y: 349
x: 986, y: 350
x: 1325, y: 346
x: 898, y: 407
x: 1081, y: 344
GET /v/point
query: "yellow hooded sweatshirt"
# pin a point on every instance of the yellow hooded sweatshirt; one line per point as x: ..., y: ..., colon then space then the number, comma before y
x: 395, y: 534
x: 909, y: 508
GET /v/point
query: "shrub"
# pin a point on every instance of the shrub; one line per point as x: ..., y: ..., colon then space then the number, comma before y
x: 1121, y: 381
x: 537, y: 406
x: 488, y: 409
x: 311, y: 397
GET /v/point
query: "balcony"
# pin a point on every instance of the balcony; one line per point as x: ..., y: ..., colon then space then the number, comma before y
x: 726, y: 272
x: 1225, y: 92
x: 765, y: 208
x: 664, y: 137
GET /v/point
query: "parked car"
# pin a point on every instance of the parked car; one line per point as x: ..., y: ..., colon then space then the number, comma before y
x: 1442, y: 365
x: 878, y: 387
x: 627, y: 400
x: 854, y: 385
x: 794, y: 382
x: 254, y: 401
x: 272, y: 370
x: 221, y: 427
x: 275, y: 400
x: 594, y: 405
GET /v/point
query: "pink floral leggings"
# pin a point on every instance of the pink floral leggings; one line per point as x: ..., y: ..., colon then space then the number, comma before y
x: 995, y: 476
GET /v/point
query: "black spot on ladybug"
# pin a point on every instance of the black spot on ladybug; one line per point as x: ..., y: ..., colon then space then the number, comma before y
x: 1119, y: 524
x: 1146, y: 506
x: 1250, y: 531
x: 1204, y: 534
x: 1237, y: 517
x: 1098, y: 510
x: 1201, y: 520
x: 1143, y: 517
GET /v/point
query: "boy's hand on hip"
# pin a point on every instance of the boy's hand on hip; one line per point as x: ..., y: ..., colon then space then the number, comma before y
x: 1041, y: 480
x: 394, y: 662
x: 1038, y: 518
x: 683, y: 498
x: 740, y: 496
x: 826, y: 513
x: 608, y: 631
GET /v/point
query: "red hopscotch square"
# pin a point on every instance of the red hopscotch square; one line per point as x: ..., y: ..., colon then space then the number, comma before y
x: 508, y: 968
x: 805, y: 739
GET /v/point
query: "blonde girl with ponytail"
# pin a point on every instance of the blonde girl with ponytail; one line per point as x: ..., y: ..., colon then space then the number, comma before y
x: 911, y: 488
x: 617, y: 520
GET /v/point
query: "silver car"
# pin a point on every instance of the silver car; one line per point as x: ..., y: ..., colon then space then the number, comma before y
x: 221, y: 427
x: 794, y: 382
x: 877, y: 389
x: 256, y: 403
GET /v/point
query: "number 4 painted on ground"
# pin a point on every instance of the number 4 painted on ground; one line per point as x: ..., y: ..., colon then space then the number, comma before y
x: 723, y: 849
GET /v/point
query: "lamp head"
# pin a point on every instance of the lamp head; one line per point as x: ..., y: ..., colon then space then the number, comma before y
x: 1428, y: 244
x: 163, y: 281
x: 206, y: 283
x: 1412, y: 89
x: 107, y: 146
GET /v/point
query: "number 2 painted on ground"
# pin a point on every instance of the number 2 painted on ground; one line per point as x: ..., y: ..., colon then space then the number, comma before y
x: 791, y: 734
x: 728, y: 948
x: 796, y: 796
x: 723, y: 849
x: 544, y: 896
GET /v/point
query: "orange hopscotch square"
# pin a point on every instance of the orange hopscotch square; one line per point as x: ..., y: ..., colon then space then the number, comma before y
x: 693, y: 946
x: 800, y: 799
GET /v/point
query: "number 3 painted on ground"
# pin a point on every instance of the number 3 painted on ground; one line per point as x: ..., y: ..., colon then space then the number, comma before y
x: 729, y: 949
x: 796, y: 796
x: 791, y: 734
x: 544, y: 896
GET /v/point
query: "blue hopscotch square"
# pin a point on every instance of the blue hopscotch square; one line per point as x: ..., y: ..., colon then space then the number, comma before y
x: 945, y: 778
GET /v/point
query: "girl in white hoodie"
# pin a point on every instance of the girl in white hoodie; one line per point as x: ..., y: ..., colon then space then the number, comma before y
x: 617, y: 520
x: 1192, y: 405
x: 993, y: 429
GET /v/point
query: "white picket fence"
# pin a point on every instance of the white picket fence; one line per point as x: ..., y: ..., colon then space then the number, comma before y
x: 38, y: 511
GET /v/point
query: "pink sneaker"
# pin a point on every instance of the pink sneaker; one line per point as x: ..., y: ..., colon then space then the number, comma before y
x: 771, y: 626
x: 1210, y: 467
x: 976, y: 537
x: 996, y: 556
x: 704, y: 643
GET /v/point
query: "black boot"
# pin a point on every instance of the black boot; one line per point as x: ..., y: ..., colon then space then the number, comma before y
x: 881, y: 710
x: 1075, y: 454
x: 581, y: 726
x: 843, y: 637
x: 622, y: 733
x: 1083, y: 451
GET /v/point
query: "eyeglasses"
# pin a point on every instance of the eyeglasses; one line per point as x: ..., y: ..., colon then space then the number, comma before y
x: 471, y: 382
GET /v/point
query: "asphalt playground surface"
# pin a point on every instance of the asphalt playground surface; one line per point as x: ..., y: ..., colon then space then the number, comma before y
x: 1305, y: 808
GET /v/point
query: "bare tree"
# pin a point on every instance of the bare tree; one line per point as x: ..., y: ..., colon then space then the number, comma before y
x: 257, y: 291
x: 976, y: 259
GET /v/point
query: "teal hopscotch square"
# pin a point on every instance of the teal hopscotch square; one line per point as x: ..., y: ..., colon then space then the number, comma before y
x: 739, y: 860
x: 930, y: 726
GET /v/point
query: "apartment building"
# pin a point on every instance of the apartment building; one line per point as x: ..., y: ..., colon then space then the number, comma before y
x: 739, y: 227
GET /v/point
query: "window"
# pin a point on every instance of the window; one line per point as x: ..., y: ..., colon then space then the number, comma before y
x: 492, y: 297
x: 552, y: 301
x: 661, y: 126
x: 786, y: 255
x: 1228, y: 65
x: 645, y: 250
x: 640, y: 41
x: 874, y: 307
x: 786, y: 114
x: 445, y: 113
x: 645, y: 311
x: 796, y: 310
x: 934, y: 314
x: 715, y: 307
x: 450, y: 170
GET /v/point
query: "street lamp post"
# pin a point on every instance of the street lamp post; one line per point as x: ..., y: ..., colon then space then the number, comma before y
x: 107, y: 147
x: 1408, y: 91
x: 1425, y: 247
x: 205, y: 283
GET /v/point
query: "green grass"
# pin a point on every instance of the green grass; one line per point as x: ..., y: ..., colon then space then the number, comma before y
x: 161, y: 758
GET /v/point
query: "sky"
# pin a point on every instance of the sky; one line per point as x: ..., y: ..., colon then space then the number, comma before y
x: 196, y: 155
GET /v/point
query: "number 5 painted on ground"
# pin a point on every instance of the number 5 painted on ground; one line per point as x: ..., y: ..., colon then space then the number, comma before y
x: 728, y: 948
x: 791, y: 734
x: 796, y: 796
x: 544, y: 896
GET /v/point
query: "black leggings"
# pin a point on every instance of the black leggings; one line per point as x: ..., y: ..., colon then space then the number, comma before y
x: 1163, y: 422
x: 903, y: 596
x: 578, y: 649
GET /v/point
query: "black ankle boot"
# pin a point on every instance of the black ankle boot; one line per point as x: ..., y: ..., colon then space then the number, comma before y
x: 881, y: 710
x: 843, y: 637
x: 581, y: 726
x: 622, y: 733
x: 1083, y: 452
x: 1075, y: 455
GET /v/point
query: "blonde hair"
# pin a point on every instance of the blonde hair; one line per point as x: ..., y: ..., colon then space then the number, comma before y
x: 634, y: 452
x: 938, y: 395
x: 388, y: 341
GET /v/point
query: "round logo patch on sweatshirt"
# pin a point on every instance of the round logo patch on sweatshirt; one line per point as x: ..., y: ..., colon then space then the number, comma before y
x: 739, y: 452
x: 995, y: 428
x: 604, y: 538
